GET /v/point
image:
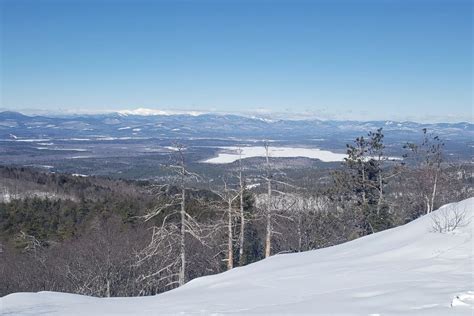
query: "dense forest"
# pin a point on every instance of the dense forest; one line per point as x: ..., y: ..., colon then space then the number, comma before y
x: 108, y: 237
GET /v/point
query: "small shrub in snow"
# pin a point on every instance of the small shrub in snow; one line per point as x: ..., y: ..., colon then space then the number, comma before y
x: 447, y: 220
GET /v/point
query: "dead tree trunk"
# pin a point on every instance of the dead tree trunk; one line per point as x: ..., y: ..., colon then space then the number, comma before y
x: 299, y: 231
x: 380, y: 199
x: 241, y: 213
x: 182, y: 268
x: 433, y: 194
x: 171, y: 236
x: 268, y: 236
x: 228, y: 196
x: 230, y: 239
x: 107, y: 287
x: 364, y: 198
x: 242, y: 231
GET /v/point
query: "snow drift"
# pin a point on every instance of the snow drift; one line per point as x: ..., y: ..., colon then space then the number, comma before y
x: 410, y: 270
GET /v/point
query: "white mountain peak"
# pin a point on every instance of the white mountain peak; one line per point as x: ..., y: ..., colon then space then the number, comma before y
x: 151, y: 112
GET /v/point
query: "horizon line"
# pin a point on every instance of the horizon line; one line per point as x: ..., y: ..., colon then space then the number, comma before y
x: 263, y: 114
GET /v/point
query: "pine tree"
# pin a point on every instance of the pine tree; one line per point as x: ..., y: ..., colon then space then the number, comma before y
x: 367, y: 180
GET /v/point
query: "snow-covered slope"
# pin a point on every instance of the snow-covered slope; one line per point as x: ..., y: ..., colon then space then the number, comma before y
x: 409, y: 270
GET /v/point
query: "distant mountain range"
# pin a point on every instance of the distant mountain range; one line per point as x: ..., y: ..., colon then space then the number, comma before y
x: 143, y: 123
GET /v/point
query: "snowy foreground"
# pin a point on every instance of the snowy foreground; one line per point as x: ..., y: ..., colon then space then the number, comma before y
x: 409, y: 270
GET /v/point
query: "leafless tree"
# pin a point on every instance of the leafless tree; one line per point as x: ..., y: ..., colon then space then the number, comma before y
x: 447, y: 219
x: 228, y: 196
x: 242, y: 188
x: 269, y: 210
x: 168, y: 208
x: 272, y: 207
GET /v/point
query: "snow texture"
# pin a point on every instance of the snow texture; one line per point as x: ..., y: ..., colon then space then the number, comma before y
x: 408, y: 270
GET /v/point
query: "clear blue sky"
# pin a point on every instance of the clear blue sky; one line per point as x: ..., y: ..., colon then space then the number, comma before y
x: 335, y: 59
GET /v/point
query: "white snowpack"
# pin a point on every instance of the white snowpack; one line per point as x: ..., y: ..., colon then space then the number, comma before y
x: 408, y: 270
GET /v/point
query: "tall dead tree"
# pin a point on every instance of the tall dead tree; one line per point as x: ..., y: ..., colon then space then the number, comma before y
x: 241, y: 209
x: 187, y: 224
x: 228, y: 196
x: 268, y: 222
x: 272, y: 206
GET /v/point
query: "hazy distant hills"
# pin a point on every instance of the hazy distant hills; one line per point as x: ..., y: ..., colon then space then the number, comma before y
x: 214, y: 126
x: 134, y: 146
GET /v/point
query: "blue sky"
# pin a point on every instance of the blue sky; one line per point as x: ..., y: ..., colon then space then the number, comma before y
x: 332, y: 59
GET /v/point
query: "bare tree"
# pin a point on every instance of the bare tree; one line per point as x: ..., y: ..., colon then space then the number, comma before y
x: 98, y: 263
x: 269, y: 175
x: 273, y: 207
x: 187, y: 224
x: 447, y: 220
x: 228, y: 196
x: 242, y: 187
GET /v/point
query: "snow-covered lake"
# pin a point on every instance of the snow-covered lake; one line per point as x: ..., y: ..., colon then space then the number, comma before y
x: 231, y: 154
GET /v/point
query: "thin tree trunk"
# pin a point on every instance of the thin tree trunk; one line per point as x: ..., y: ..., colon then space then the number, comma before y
x: 242, y: 214
x: 427, y: 201
x: 230, y: 248
x: 364, y: 199
x: 108, y: 288
x: 268, y: 237
x: 379, y: 203
x: 299, y: 233
x: 242, y: 220
x: 182, y: 270
x: 433, y: 195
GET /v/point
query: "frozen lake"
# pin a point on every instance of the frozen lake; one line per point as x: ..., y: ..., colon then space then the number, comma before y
x: 231, y: 154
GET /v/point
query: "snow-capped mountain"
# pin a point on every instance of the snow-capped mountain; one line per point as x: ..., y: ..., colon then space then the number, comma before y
x: 409, y: 270
x: 151, y: 112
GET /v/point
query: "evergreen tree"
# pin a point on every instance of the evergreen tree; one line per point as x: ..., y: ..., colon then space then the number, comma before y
x: 367, y: 179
